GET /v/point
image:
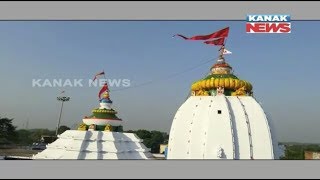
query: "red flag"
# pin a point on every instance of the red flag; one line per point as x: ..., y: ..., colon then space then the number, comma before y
x: 99, y: 74
x: 219, y: 41
x: 103, y: 89
x: 221, y: 33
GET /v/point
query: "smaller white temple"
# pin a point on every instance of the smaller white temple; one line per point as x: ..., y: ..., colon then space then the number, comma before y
x: 100, y: 136
x: 74, y: 144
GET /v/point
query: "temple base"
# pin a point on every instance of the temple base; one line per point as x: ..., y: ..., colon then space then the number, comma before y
x: 103, y: 122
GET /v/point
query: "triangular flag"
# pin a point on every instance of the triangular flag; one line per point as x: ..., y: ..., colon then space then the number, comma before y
x: 221, y: 33
x: 96, y: 76
x: 225, y: 51
x: 104, y: 88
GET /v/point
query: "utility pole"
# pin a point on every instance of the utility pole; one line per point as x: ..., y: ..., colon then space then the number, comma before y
x: 62, y: 99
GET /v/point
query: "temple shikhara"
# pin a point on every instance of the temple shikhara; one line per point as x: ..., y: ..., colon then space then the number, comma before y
x: 103, y: 118
x: 99, y: 136
x: 221, y: 119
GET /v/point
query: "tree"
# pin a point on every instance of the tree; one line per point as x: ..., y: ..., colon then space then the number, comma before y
x: 143, y: 134
x: 62, y: 129
x: 7, y: 131
x: 23, y: 137
x: 152, y: 139
x: 166, y: 137
x: 27, y: 137
x: 296, y: 151
x: 157, y: 138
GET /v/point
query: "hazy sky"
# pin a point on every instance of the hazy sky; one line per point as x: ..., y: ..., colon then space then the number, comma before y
x: 283, y: 69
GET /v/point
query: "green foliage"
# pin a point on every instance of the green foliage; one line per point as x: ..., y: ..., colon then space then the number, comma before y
x: 23, y: 137
x: 7, y: 131
x: 296, y: 151
x: 151, y: 139
x: 27, y: 137
x: 143, y: 134
x: 157, y: 138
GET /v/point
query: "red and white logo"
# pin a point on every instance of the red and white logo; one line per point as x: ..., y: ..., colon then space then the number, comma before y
x: 268, y: 24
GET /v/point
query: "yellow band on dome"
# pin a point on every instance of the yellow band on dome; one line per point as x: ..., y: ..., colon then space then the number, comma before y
x: 227, y: 83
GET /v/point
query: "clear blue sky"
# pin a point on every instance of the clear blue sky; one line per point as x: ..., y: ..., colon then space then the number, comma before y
x: 283, y: 69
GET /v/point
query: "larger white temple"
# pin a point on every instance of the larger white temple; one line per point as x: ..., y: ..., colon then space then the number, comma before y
x: 222, y: 120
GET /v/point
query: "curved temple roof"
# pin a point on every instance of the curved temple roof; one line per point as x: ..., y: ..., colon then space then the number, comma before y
x: 221, y: 127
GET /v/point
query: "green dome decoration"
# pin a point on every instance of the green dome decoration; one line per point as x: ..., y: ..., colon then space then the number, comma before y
x: 221, y: 76
x: 103, y: 114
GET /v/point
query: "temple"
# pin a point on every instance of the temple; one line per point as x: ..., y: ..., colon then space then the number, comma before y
x: 222, y: 120
x: 103, y: 118
x: 99, y: 136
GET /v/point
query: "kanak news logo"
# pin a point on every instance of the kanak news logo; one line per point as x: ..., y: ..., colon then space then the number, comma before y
x: 268, y: 24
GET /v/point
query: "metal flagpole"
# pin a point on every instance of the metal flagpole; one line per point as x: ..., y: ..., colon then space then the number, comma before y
x: 221, y: 51
x: 225, y: 41
x: 223, y: 47
x: 104, y: 75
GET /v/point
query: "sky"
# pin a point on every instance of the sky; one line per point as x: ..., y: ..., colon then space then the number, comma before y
x: 283, y: 69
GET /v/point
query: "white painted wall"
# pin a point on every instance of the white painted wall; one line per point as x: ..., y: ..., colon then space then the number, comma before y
x: 74, y: 144
x: 241, y: 131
